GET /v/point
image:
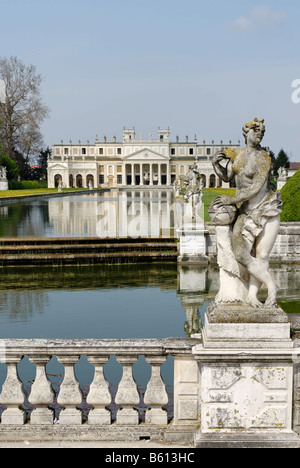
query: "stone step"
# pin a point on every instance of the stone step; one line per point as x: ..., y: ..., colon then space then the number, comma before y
x: 88, y: 248
x: 35, y: 251
x: 83, y: 241
x: 87, y: 258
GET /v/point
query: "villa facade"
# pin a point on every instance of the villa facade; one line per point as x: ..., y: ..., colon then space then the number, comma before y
x: 133, y: 162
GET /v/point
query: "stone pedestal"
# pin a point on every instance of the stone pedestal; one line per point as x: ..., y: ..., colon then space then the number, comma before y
x: 192, y: 243
x: 3, y: 179
x: 238, y: 326
x: 246, y: 368
x: 3, y: 184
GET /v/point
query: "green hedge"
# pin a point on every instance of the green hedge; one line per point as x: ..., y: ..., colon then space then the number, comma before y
x: 291, y: 199
x: 27, y: 184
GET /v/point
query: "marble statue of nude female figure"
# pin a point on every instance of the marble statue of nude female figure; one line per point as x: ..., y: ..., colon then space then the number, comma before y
x: 257, y: 207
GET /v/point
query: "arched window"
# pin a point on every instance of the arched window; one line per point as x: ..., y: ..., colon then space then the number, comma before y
x: 79, y: 181
x: 71, y: 181
x: 232, y: 183
x: 212, y: 181
x: 90, y: 180
x: 57, y: 179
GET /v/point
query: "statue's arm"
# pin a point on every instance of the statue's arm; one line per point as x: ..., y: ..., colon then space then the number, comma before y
x: 226, y: 172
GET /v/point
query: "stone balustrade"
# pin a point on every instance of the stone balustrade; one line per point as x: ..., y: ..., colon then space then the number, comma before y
x: 41, y: 396
x: 101, y: 411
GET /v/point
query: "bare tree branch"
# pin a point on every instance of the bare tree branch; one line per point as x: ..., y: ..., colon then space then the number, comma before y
x: 23, y: 111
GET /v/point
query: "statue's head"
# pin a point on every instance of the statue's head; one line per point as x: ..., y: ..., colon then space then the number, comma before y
x: 254, y: 131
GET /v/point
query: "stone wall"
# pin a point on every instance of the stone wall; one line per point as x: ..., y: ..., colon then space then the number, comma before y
x: 286, y: 248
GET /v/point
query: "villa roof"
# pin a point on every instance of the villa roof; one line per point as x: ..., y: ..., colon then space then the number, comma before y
x: 295, y: 165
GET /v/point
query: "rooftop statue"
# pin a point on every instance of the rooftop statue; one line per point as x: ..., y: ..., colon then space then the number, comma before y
x: 248, y: 223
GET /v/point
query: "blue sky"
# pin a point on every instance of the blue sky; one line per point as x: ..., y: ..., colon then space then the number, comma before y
x: 198, y: 67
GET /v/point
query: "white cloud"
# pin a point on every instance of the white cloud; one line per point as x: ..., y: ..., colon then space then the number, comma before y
x: 242, y: 24
x: 259, y: 16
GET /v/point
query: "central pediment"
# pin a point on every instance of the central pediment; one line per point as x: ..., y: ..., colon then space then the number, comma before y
x: 58, y: 165
x: 146, y: 154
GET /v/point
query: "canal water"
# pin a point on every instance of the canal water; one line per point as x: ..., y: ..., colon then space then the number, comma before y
x: 114, y: 301
x: 108, y: 301
x: 118, y: 213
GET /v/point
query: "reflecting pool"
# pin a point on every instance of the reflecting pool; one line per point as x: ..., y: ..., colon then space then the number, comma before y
x: 118, y: 213
x: 117, y: 301
x: 113, y: 301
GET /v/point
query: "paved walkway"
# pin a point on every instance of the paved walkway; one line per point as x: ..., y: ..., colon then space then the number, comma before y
x: 144, y: 444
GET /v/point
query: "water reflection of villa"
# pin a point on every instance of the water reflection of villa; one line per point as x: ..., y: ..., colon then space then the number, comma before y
x: 116, y: 214
x: 132, y: 162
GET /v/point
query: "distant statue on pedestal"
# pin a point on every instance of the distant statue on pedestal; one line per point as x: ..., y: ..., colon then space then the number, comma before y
x: 2, y: 172
x: 194, y: 191
x: 247, y: 225
x: 192, y: 229
x: 3, y: 178
x: 190, y: 187
x: 282, y: 177
x: 283, y: 173
x: 179, y: 186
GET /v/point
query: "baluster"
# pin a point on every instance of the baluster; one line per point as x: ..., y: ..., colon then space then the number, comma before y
x: 156, y: 395
x: 69, y: 395
x: 127, y: 394
x: 41, y: 394
x: 12, y: 394
x: 99, y: 395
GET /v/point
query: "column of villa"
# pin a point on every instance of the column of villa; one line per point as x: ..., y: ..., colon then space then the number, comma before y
x: 151, y: 174
x: 141, y: 174
x: 159, y: 174
x: 168, y: 174
x: 124, y: 176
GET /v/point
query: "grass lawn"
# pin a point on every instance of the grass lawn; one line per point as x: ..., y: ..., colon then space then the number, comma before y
x: 27, y: 193
x: 210, y: 194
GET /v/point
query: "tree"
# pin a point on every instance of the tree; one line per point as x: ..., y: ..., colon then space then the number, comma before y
x: 12, y: 170
x: 39, y: 171
x: 23, y: 111
x: 282, y: 160
x: 43, y: 157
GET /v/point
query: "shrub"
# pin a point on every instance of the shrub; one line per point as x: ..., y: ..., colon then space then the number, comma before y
x: 12, y: 170
x: 291, y: 199
x: 27, y: 184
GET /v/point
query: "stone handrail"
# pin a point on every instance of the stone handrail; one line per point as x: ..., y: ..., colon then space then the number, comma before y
x: 98, y: 352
